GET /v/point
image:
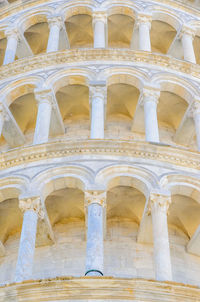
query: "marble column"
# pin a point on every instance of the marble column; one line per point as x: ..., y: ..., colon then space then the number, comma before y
x: 99, y: 25
x: 3, y: 116
x: 11, y: 48
x: 45, y: 105
x: 187, y: 37
x: 196, y: 117
x: 55, y: 25
x: 150, y: 99
x: 159, y: 205
x: 97, y: 101
x: 144, y: 26
x: 95, y: 203
x: 32, y: 211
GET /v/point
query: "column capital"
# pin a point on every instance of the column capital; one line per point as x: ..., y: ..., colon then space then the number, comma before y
x: 99, y: 16
x: 144, y: 18
x: 195, y: 108
x: 3, y: 113
x: 150, y: 93
x: 98, y: 197
x: 98, y: 89
x: 44, y: 96
x: 187, y: 30
x: 32, y: 203
x: 159, y: 201
x: 55, y: 20
x: 12, y: 32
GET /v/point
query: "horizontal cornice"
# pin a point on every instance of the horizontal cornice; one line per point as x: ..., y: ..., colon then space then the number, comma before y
x: 20, y: 5
x: 113, y: 148
x: 62, y: 58
x: 104, y: 288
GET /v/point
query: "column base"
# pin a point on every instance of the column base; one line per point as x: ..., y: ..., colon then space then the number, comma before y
x: 93, y: 272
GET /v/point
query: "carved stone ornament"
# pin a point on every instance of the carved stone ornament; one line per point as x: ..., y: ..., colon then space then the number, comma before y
x: 159, y: 202
x: 150, y: 94
x: 55, y: 20
x: 44, y: 96
x: 32, y: 203
x: 98, y: 91
x: 97, y: 197
x: 187, y: 30
x: 3, y: 113
x: 99, y: 16
x: 195, y: 108
x: 144, y: 18
x: 12, y: 32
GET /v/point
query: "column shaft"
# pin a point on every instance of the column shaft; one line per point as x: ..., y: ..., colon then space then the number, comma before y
x: 54, y: 35
x: 97, y: 101
x: 144, y: 36
x: 27, y: 246
x: 197, y: 128
x: 2, y: 117
x: 97, y: 118
x: 43, y: 122
x: 55, y: 25
x: 11, y: 49
x: 99, y: 34
x: 162, y: 258
x: 151, y: 121
x: 94, y: 257
x: 188, y: 49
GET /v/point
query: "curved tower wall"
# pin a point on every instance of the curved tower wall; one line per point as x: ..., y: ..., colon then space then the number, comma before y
x: 99, y: 150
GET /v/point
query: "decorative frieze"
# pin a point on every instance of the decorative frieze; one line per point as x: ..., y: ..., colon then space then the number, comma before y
x: 142, y: 150
x: 63, y: 58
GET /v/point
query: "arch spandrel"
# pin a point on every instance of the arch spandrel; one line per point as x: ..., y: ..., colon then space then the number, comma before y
x: 69, y: 77
x: 183, y: 185
x: 29, y: 19
x: 59, y: 178
x: 141, y: 179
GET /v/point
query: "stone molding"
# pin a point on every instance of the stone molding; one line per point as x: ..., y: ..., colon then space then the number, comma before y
x: 142, y: 150
x: 104, y: 288
x: 97, y: 197
x: 33, y: 204
x: 62, y: 58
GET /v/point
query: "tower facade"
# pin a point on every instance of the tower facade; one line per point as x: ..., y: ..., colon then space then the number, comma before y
x: 99, y: 150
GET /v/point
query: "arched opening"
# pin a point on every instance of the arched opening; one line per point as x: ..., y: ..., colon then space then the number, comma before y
x: 125, y: 207
x: 162, y: 35
x: 120, y: 30
x: 122, y: 98
x: 37, y: 34
x: 72, y: 94
x: 79, y: 30
x: 23, y: 106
